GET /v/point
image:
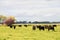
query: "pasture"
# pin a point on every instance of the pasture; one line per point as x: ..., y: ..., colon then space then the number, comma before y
x: 26, y: 33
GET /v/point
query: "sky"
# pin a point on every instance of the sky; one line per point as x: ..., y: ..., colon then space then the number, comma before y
x: 31, y: 10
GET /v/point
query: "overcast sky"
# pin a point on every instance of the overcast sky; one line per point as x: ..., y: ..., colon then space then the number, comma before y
x: 31, y: 10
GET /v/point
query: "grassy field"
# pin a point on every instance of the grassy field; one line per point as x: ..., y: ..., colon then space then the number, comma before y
x: 23, y: 33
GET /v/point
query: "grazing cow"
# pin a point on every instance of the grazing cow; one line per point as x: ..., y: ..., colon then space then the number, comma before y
x: 40, y: 27
x: 25, y: 25
x: 20, y: 25
x: 37, y: 26
x: 51, y: 27
x: 34, y: 27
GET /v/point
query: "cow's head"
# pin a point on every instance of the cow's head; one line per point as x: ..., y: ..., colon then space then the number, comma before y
x: 54, y: 25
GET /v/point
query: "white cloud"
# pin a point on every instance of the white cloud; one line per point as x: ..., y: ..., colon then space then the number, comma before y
x: 31, y: 9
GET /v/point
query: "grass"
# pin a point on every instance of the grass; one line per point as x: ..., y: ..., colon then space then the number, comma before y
x: 23, y: 33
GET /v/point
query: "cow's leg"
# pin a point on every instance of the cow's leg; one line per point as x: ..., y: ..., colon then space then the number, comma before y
x: 53, y: 29
x: 48, y: 29
x: 39, y: 29
x: 10, y: 26
x: 14, y: 27
x: 34, y: 28
x: 43, y: 29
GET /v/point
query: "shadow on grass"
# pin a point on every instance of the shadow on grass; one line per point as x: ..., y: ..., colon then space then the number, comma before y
x: 4, y: 39
x: 57, y: 38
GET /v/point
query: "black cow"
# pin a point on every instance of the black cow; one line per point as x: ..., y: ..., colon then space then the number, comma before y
x: 20, y: 25
x: 54, y: 25
x: 51, y: 27
x: 40, y: 27
x: 11, y: 26
x: 37, y: 26
x: 25, y: 25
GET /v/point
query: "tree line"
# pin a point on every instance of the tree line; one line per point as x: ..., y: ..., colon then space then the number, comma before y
x: 12, y: 20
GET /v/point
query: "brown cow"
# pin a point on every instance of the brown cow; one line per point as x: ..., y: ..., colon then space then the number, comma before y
x: 34, y: 27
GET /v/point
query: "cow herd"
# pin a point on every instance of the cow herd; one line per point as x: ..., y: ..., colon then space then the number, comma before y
x: 40, y: 27
x: 34, y: 27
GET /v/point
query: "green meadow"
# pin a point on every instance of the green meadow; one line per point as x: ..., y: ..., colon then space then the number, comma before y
x: 26, y: 33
